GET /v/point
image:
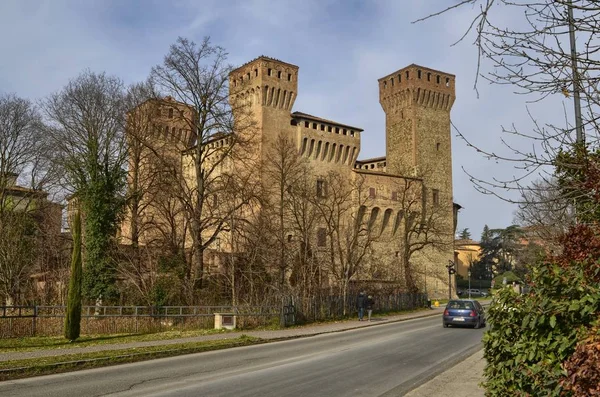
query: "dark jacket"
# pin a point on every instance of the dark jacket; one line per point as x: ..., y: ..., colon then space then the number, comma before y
x: 369, y: 303
x: 361, y: 301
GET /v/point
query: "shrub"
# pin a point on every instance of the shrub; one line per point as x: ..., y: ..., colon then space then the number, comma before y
x: 531, y: 335
x: 582, y: 369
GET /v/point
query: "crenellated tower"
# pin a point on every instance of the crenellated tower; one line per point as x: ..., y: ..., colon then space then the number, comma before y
x: 270, y: 87
x: 417, y: 102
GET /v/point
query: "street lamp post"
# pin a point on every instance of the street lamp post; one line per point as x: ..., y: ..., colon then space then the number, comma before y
x: 469, y: 274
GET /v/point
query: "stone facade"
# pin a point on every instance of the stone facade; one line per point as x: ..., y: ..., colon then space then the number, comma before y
x: 409, y: 188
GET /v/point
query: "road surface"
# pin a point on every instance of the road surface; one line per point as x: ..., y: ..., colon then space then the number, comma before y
x: 385, y: 360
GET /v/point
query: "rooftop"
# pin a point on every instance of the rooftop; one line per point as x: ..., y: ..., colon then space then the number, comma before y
x: 266, y: 58
x: 302, y: 115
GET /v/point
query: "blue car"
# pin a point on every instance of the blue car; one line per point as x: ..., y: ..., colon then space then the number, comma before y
x: 465, y: 312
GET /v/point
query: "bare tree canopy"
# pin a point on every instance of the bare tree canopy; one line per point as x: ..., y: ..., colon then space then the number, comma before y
x: 21, y: 142
x: 86, y: 128
x: 544, y: 49
x: 217, y: 165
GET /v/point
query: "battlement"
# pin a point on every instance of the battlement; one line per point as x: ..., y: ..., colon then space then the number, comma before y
x: 266, y: 82
x: 418, y: 85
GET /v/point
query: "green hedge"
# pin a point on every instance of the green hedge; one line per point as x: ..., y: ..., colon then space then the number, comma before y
x: 530, y: 336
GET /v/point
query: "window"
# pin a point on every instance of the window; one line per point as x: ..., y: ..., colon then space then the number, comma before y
x: 437, y: 146
x: 322, y: 127
x: 329, y: 129
x: 395, y: 196
x: 314, y: 126
x: 428, y: 76
x: 171, y: 113
x: 321, y: 188
x: 372, y: 192
x: 289, y: 77
x: 181, y: 113
x: 269, y: 72
x: 215, y: 200
x: 447, y: 82
x: 306, y: 124
x: 435, y: 196
x: 321, y: 237
x: 158, y: 112
x: 248, y: 75
x: 289, y: 238
x: 418, y: 74
x: 278, y: 75
x: 437, y: 79
x: 255, y: 72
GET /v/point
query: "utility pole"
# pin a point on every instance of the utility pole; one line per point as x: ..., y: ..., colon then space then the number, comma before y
x: 574, y: 69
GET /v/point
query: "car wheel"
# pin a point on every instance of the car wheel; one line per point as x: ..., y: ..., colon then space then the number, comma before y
x: 445, y: 325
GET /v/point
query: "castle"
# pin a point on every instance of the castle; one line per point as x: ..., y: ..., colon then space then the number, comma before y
x: 403, y: 199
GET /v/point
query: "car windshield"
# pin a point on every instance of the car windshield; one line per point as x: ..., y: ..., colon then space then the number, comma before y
x: 460, y: 305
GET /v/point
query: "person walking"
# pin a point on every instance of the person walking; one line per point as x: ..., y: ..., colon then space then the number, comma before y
x: 369, y: 305
x: 361, y: 301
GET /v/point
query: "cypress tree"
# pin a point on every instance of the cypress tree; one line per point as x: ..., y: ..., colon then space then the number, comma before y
x: 73, y: 315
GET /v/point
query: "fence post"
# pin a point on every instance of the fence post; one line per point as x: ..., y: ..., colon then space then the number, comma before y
x: 34, y: 322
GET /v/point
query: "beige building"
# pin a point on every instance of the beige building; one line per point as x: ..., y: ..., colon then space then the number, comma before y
x: 466, y: 253
x: 404, y: 198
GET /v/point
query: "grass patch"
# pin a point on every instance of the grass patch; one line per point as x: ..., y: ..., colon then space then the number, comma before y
x: 59, y: 342
x: 49, y: 365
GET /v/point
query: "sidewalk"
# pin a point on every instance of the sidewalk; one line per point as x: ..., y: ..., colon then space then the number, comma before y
x: 462, y: 379
x: 294, y: 332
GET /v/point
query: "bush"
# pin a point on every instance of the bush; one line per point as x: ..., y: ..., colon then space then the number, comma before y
x: 582, y: 376
x: 531, y: 335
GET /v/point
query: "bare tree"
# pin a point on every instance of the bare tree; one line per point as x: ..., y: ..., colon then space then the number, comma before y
x: 424, y: 228
x: 283, y: 170
x: 547, y: 49
x: 217, y: 164
x: 348, y: 233
x: 86, y: 129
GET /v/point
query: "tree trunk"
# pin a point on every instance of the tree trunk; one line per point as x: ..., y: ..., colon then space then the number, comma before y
x: 73, y: 314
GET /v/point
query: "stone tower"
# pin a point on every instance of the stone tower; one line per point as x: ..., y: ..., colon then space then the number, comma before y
x: 417, y: 102
x: 271, y: 87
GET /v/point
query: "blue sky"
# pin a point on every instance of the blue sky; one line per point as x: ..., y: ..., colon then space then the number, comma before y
x: 342, y: 48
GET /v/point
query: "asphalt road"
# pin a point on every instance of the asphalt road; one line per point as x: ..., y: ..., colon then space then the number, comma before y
x: 385, y: 360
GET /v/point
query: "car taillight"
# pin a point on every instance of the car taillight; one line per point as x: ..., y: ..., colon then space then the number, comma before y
x: 473, y: 314
x: 446, y: 313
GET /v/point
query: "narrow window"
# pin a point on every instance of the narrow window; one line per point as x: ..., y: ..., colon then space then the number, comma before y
x: 255, y: 72
x: 392, y: 81
x: 215, y: 200
x: 289, y: 77
x: 269, y: 71
x: 329, y: 129
x: 385, y: 83
x: 395, y: 196
x: 371, y: 192
x: 337, y: 130
x: 418, y: 74
x: 435, y: 196
x: 437, y: 79
x: 170, y: 113
x: 278, y: 75
x: 447, y: 82
x: 306, y: 124
x: 428, y: 76
x: 437, y: 146
x: 407, y: 75
x: 314, y: 125
x: 399, y: 78
x: 322, y: 127
x: 321, y: 237
x: 289, y: 238
x: 321, y: 188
